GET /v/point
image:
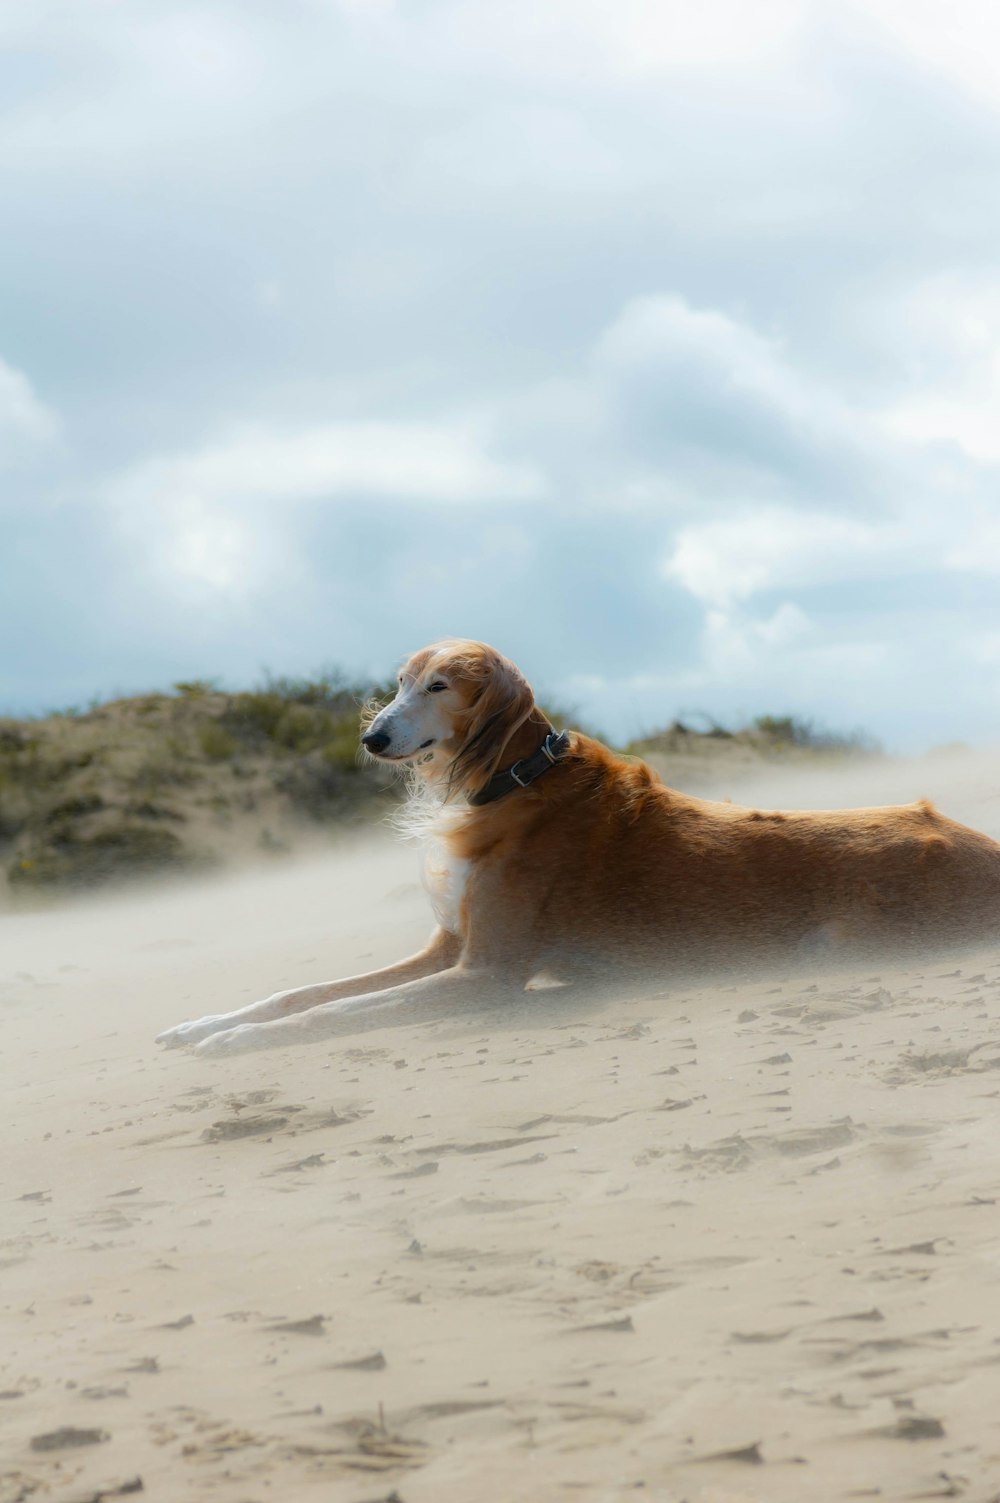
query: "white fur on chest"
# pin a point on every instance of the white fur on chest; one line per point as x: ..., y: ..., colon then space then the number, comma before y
x: 445, y: 878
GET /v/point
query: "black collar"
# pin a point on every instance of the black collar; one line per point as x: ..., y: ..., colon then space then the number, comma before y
x: 553, y: 749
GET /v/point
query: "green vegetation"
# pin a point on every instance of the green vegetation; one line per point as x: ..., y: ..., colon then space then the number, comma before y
x: 786, y: 730
x: 216, y: 742
x: 174, y: 782
x: 768, y: 735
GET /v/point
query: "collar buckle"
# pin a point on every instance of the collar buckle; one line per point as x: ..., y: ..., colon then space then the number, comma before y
x: 523, y: 773
x: 547, y: 749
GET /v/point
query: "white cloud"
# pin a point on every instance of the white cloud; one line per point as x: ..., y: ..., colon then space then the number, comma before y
x: 709, y: 397
x: 528, y: 146
x: 665, y: 332
x: 733, y: 641
x: 631, y: 41
x: 127, y: 95
x: 947, y: 331
x: 974, y: 546
x: 224, y: 553
x: 969, y: 421
x: 410, y: 461
x: 960, y: 43
x: 25, y: 422
x: 123, y: 91
x: 727, y: 560
x: 217, y: 518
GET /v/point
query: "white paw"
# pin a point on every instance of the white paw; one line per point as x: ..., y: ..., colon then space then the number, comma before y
x: 186, y: 1034
x: 241, y: 1040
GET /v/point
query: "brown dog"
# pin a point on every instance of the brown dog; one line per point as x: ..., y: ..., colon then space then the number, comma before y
x: 551, y: 854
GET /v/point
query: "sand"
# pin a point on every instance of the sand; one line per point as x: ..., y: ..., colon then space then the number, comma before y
x: 721, y: 1244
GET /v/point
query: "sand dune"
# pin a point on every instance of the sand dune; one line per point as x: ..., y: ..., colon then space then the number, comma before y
x: 722, y: 1244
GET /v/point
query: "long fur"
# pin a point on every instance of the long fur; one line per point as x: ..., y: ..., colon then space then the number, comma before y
x: 502, y: 700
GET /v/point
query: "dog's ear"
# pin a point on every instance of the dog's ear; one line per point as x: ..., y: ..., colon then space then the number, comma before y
x: 500, y: 707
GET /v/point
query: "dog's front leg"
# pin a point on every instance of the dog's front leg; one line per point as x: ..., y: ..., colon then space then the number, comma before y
x: 418, y: 1002
x: 441, y: 952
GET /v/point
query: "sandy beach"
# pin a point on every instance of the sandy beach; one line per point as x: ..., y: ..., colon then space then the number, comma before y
x: 722, y: 1244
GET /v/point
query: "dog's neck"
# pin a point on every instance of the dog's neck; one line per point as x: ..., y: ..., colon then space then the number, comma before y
x: 426, y: 787
x: 524, y: 770
x: 526, y: 739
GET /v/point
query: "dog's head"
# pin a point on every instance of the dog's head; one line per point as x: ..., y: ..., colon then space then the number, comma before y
x: 456, y: 709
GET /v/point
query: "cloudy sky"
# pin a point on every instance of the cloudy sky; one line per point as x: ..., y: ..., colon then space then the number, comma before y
x: 655, y: 341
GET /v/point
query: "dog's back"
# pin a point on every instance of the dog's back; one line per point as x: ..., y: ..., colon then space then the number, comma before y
x: 611, y: 864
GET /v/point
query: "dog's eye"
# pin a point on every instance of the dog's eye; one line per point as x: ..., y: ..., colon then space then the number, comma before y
x: 436, y: 688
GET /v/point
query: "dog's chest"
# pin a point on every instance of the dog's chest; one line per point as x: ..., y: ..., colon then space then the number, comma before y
x: 445, y: 877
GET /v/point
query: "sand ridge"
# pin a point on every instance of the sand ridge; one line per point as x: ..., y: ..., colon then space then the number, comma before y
x: 723, y: 1244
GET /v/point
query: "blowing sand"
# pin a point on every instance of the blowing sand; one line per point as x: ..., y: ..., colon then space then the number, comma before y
x: 722, y: 1244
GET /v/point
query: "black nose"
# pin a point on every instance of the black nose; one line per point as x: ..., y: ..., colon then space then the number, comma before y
x: 375, y: 742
